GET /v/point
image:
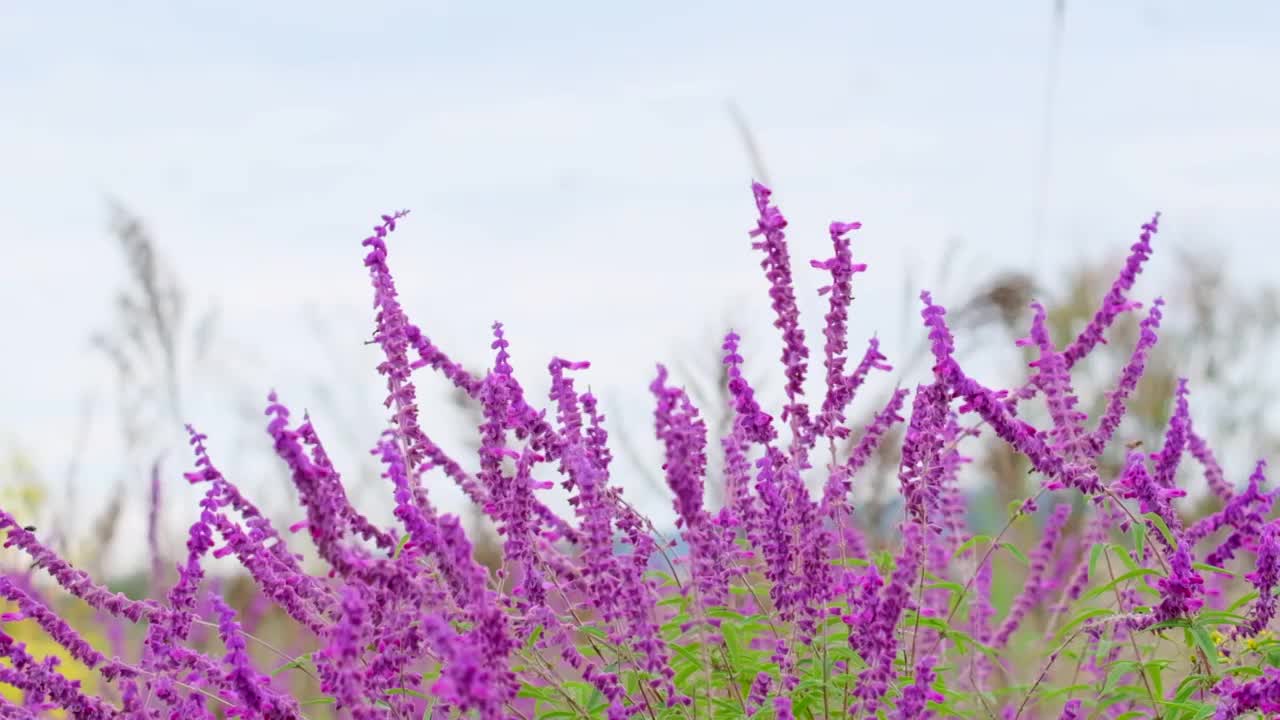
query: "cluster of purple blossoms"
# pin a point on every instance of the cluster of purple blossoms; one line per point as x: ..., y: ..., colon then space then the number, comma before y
x: 406, y: 622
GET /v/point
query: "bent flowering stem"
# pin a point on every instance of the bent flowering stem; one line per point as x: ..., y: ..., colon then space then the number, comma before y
x: 995, y: 543
x: 295, y: 662
x: 1044, y: 672
x: 1137, y: 654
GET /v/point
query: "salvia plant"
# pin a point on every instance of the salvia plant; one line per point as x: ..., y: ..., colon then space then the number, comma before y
x: 774, y: 605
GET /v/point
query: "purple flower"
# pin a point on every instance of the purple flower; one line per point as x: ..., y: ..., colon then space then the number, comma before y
x: 1175, y: 439
x: 1138, y: 484
x: 878, y: 643
x: 53, y: 625
x: 759, y: 691
x: 1053, y: 378
x: 989, y: 404
x: 76, y: 582
x: 921, y: 468
x: 575, y: 603
x: 840, y: 388
x: 752, y: 422
x: 339, y: 663
x: 1213, y: 474
x: 1071, y: 711
x: 1116, y: 300
x: 777, y: 267
x: 1181, y: 592
x: 1261, y: 694
x: 839, y: 483
x: 1265, y: 577
x: 913, y: 703
x: 40, y: 680
x: 1128, y: 381
x: 466, y: 681
x: 252, y: 687
x: 1244, y: 513
x: 684, y: 435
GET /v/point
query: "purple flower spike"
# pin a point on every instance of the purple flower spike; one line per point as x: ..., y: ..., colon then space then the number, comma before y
x: 878, y: 642
x: 1053, y: 378
x: 1213, y: 474
x: 1258, y: 695
x: 777, y: 267
x: 840, y: 388
x: 990, y: 405
x: 1116, y: 300
x: 1137, y: 484
x: 1128, y: 382
x: 915, y: 697
x: 753, y: 423
x: 1265, y: 577
x: 921, y: 468
x: 1175, y: 439
x: 1182, y: 591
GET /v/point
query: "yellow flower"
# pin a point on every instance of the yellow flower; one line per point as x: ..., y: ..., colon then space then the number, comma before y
x: 1253, y: 642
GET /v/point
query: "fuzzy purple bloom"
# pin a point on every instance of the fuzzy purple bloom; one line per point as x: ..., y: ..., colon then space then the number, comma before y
x: 1071, y: 711
x: 1213, y: 474
x: 1138, y: 484
x: 1053, y: 379
x: 913, y: 705
x: 1116, y: 300
x: 1128, y: 381
x: 840, y: 388
x: 1181, y: 593
x: 777, y: 267
x: 1261, y: 694
x: 878, y: 642
x: 1265, y: 577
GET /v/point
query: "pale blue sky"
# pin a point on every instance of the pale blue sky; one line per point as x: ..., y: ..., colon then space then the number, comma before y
x: 573, y: 171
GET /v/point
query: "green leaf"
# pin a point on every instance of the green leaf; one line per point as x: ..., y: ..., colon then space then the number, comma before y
x: 1139, y: 539
x: 952, y: 587
x: 1014, y: 551
x: 407, y: 691
x: 404, y: 540
x: 1219, y: 617
x: 298, y: 663
x: 1127, y: 557
x: 724, y: 613
x: 534, y: 635
x: 971, y: 542
x: 1132, y: 574
x: 1206, y: 567
x: 1094, y: 554
x: 1159, y: 523
x: 1243, y: 600
x: 1082, y: 617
